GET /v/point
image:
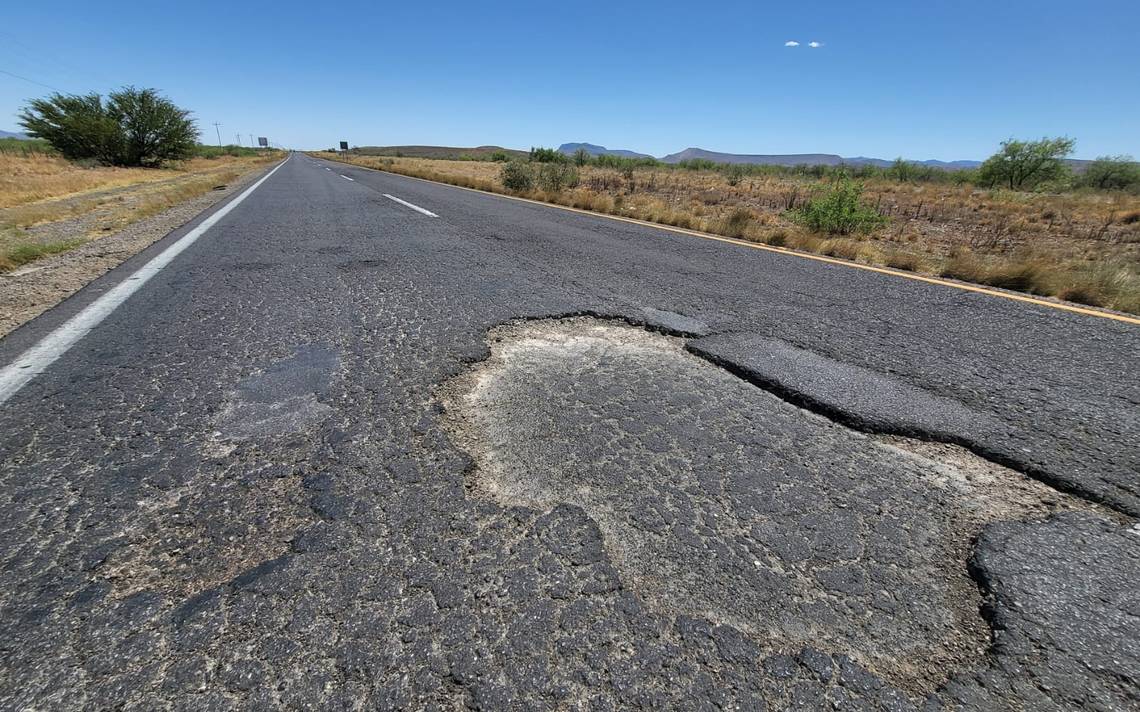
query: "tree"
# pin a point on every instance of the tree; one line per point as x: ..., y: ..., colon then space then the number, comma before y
x: 76, y: 126
x: 133, y: 127
x: 581, y: 157
x: 1025, y: 164
x: 547, y: 155
x: 902, y: 170
x: 1112, y: 173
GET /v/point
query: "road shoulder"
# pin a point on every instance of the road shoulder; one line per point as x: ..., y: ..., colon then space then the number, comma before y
x: 28, y: 292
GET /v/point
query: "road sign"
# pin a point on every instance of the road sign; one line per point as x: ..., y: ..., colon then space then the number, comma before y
x: 344, y: 145
x: 262, y: 141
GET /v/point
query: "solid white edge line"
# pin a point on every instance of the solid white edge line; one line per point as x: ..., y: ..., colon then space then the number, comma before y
x: 36, y: 360
x: 417, y: 208
x: 347, y: 178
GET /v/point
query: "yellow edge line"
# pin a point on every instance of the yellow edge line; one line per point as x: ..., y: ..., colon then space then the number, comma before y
x: 782, y: 251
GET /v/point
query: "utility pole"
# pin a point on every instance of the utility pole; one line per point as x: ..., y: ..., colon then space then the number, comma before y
x: 218, y: 128
x: 237, y: 136
x: 251, y: 143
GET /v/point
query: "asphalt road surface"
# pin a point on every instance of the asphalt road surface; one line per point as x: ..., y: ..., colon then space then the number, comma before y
x: 376, y: 443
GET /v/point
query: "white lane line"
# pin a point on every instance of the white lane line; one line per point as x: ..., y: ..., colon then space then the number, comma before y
x: 35, y: 360
x: 417, y: 208
x: 347, y: 178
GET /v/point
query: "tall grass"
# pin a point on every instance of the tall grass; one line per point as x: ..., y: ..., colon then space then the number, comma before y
x: 26, y: 147
x: 207, y: 151
x: 13, y: 257
x: 44, y: 188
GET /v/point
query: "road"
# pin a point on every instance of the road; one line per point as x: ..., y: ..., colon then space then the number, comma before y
x: 371, y: 442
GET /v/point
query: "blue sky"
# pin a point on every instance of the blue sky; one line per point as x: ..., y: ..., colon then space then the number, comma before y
x: 945, y: 80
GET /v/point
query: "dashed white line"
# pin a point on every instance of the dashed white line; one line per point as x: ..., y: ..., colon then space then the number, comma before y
x: 35, y: 360
x: 417, y: 208
x: 347, y: 178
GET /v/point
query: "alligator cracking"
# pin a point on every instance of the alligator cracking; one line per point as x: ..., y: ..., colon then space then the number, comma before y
x: 719, y: 499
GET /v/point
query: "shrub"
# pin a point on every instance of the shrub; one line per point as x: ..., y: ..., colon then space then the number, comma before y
x: 778, y: 238
x: 842, y: 248
x: 204, y: 151
x: 1023, y: 165
x: 547, y: 155
x: 500, y: 157
x: 902, y: 170
x: 1026, y: 275
x: 840, y: 211
x: 736, y: 224
x: 554, y: 177
x: 26, y: 146
x: 517, y: 176
x: 734, y: 172
x: 903, y: 260
x: 581, y: 157
x: 133, y: 127
x: 1112, y: 173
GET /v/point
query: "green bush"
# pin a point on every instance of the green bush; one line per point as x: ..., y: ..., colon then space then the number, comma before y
x: 548, y: 155
x: 1112, y: 173
x: 734, y: 172
x: 133, y: 127
x: 840, y: 211
x: 500, y: 157
x: 553, y: 177
x: 517, y: 176
x: 26, y: 147
x: 902, y: 170
x: 1023, y: 165
x: 205, y: 151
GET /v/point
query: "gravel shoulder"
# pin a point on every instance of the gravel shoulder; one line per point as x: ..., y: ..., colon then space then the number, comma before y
x: 31, y: 290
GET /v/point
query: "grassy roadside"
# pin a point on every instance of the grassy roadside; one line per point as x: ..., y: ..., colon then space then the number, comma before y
x: 49, y: 205
x: 1082, y: 247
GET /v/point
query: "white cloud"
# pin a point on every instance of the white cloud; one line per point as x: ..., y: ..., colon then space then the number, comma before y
x: 813, y: 43
x: 791, y: 43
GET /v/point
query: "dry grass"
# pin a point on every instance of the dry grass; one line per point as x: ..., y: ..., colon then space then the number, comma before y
x: 37, y: 189
x: 1082, y: 246
x: 37, y: 177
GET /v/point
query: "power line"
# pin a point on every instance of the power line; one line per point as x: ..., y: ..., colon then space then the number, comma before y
x: 33, y: 81
x: 218, y: 128
x: 37, y: 54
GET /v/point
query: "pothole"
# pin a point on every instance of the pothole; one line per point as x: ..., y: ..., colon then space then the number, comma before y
x: 721, y: 500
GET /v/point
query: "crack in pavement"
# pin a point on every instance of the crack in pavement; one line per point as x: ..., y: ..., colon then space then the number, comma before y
x: 720, y: 500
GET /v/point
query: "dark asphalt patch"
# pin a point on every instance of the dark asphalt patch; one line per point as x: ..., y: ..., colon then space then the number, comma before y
x: 285, y: 397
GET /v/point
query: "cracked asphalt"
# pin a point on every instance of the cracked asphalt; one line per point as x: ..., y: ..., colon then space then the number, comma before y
x: 343, y: 455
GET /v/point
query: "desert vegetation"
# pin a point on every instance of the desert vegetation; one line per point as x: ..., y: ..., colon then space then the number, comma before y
x: 131, y: 127
x: 1075, y: 236
x: 95, y: 165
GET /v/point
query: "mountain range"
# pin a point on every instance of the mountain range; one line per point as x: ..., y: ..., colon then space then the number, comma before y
x: 786, y: 159
x: 12, y: 134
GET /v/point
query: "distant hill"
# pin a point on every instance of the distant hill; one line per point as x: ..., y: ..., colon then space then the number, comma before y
x: 447, y: 152
x: 776, y: 159
x: 801, y: 159
x: 789, y: 159
x: 13, y: 134
x: 595, y: 150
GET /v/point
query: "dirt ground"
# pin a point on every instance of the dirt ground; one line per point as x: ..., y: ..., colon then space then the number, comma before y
x: 33, y: 288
